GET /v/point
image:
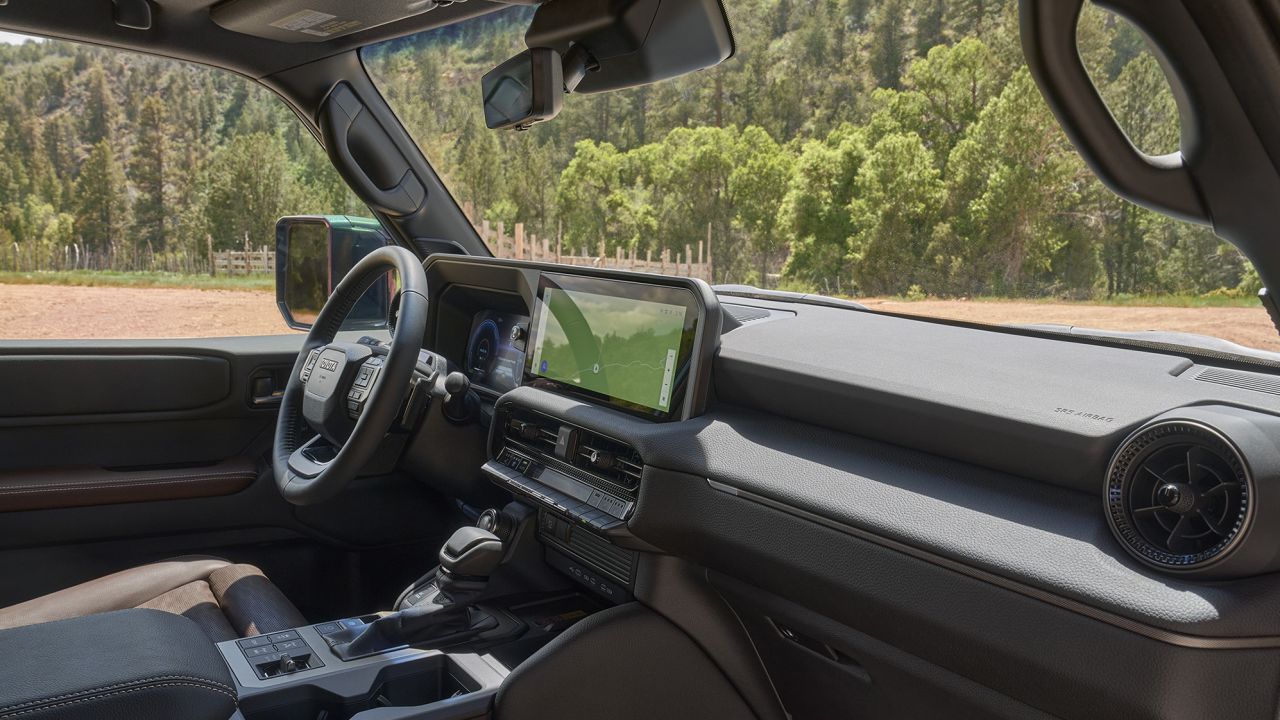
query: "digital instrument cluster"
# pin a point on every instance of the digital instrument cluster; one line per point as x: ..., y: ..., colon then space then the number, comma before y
x: 496, y: 350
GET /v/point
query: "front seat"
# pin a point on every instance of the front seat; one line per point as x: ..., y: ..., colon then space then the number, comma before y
x: 226, y: 600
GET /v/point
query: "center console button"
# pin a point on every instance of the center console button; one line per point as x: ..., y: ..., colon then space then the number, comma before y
x: 328, y: 628
x: 283, y: 636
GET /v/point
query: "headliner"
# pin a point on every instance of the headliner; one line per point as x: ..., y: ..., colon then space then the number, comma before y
x: 182, y: 29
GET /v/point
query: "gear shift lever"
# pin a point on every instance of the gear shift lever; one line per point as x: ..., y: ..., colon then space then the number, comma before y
x: 466, y: 561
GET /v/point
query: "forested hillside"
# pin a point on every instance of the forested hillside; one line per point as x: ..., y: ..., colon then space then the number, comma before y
x: 854, y: 146
x: 129, y: 157
x: 860, y: 146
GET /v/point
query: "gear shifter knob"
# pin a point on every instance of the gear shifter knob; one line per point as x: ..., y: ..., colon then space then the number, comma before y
x: 471, y: 552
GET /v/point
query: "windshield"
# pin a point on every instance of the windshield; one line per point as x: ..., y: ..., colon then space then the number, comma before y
x: 893, y: 152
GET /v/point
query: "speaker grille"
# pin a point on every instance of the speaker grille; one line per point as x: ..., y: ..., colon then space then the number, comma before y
x: 1243, y: 380
x: 1178, y: 495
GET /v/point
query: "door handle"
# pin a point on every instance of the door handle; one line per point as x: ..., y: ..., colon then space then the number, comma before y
x: 266, y: 387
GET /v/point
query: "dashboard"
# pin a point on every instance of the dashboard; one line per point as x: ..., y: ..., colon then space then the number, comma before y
x: 966, y: 496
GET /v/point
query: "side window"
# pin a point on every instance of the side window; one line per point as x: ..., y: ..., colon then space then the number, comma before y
x: 139, y: 196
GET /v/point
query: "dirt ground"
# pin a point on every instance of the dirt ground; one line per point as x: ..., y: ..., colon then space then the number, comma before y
x: 47, y: 312
x: 1248, y: 326
x: 65, y: 312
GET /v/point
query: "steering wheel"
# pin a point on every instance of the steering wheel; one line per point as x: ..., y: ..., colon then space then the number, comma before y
x: 345, y: 392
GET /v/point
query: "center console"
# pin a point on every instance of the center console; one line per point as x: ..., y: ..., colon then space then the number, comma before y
x: 423, y: 659
x: 295, y: 675
x: 637, y: 347
x: 585, y: 486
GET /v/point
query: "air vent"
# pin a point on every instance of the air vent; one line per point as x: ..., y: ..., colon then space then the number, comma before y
x: 533, y: 431
x: 1243, y: 380
x: 610, y: 459
x: 1178, y: 495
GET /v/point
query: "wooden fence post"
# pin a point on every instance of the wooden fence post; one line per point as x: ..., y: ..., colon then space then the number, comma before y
x: 518, y: 240
x: 213, y: 267
x: 710, y: 267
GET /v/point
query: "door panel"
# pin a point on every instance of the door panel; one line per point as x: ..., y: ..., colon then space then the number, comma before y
x: 65, y: 487
x: 44, y: 385
x: 118, y: 453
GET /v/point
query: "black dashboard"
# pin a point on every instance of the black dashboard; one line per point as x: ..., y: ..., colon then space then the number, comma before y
x: 951, y: 491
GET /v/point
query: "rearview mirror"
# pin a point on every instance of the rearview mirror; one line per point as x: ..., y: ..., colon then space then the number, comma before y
x: 313, y: 254
x: 590, y: 46
x: 527, y: 89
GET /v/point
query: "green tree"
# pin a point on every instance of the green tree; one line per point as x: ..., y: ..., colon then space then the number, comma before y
x: 249, y: 190
x: 479, y: 176
x: 758, y: 186
x: 102, y: 109
x: 1143, y: 105
x: 592, y: 178
x: 1015, y: 187
x: 889, y: 44
x: 102, y: 199
x: 898, y: 196
x: 815, y: 212
x: 150, y: 172
x: 929, y: 25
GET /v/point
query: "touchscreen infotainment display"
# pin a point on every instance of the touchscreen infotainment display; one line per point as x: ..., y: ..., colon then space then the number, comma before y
x: 626, y: 343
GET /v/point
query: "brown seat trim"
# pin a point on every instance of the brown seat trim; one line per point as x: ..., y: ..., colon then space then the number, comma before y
x: 45, y: 489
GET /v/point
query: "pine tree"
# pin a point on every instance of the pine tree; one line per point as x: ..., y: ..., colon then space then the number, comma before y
x: 888, y: 44
x: 149, y: 171
x: 102, y: 200
x: 781, y: 18
x: 856, y: 11
x: 102, y: 110
x: 929, y: 15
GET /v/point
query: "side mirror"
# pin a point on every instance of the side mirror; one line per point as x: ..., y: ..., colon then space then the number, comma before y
x: 527, y: 89
x: 313, y: 254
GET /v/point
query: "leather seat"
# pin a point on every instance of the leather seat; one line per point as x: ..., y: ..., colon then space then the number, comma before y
x: 226, y: 600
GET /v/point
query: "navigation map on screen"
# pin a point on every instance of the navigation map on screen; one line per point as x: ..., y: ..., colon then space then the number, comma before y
x: 620, y: 347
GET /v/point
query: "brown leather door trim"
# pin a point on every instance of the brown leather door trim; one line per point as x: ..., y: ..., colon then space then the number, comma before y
x: 45, y: 489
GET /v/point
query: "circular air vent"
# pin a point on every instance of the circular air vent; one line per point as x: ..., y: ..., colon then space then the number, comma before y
x: 1178, y: 495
